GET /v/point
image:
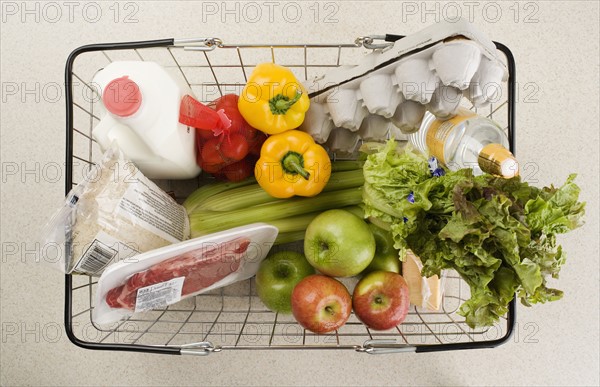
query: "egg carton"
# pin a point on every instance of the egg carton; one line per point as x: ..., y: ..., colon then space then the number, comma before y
x: 430, y: 70
x: 343, y: 142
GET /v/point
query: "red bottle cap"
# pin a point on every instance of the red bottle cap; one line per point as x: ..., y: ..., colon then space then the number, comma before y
x: 122, y: 97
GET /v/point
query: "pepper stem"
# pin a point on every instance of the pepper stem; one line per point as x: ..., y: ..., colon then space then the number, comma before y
x: 280, y: 104
x: 293, y: 163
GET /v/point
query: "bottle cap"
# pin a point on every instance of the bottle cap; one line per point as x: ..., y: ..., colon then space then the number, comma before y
x: 122, y: 97
x: 196, y: 114
x: 497, y: 160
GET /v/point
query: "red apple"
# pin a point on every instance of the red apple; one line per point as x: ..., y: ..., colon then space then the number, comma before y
x: 380, y: 300
x: 321, y: 304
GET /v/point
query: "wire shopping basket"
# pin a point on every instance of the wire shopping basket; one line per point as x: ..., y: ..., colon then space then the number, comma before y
x: 233, y: 317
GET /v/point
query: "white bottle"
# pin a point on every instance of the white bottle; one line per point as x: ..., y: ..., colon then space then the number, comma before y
x: 143, y: 102
x: 466, y: 141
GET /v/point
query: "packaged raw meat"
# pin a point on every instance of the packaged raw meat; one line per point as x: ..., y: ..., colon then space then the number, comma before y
x: 164, y: 276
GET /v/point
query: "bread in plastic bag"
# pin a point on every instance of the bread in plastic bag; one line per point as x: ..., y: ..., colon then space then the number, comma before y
x: 114, y: 213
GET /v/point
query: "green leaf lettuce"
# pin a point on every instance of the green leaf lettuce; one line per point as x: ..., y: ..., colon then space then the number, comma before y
x: 498, y: 234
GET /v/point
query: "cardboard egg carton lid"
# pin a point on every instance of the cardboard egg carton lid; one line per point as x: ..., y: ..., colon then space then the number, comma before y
x: 414, y: 44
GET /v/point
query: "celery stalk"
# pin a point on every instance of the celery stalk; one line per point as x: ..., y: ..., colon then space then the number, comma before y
x: 294, y: 223
x: 251, y: 195
x: 298, y: 229
x: 284, y: 225
x: 346, y: 165
x: 203, y: 221
x: 236, y: 199
x: 288, y: 237
x: 287, y: 225
x: 301, y: 222
x: 356, y: 210
x: 209, y: 190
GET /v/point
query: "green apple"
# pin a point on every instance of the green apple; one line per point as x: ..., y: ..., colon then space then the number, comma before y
x: 339, y: 244
x: 277, y: 276
x: 386, y: 256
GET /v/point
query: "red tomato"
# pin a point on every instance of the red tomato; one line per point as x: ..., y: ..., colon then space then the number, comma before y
x: 234, y: 147
x: 228, y: 100
x: 204, y: 134
x: 239, y: 171
x: 198, y: 154
x: 231, y: 146
x: 229, y: 105
x: 211, y: 153
x: 211, y: 168
x: 251, y: 133
x: 257, y: 143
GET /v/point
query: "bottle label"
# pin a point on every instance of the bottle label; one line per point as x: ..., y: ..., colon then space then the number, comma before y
x: 496, y: 159
x: 440, y: 130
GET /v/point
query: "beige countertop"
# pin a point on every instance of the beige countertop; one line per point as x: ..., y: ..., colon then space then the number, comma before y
x: 556, y: 48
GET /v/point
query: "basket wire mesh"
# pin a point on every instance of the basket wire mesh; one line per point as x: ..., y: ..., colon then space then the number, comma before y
x: 234, y: 317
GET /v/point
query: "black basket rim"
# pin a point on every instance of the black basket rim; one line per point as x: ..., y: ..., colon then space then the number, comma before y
x: 68, y: 318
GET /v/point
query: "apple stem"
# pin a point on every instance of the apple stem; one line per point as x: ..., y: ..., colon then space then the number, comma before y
x: 329, y: 310
x: 283, y: 271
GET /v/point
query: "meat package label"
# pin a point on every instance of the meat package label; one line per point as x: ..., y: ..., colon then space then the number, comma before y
x: 159, y: 295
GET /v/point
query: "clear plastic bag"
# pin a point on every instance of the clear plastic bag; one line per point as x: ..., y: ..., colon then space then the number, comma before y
x: 115, y: 213
x: 58, y: 233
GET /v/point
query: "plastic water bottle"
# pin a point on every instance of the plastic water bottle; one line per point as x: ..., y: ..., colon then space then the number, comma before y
x: 466, y: 141
x: 142, y: 102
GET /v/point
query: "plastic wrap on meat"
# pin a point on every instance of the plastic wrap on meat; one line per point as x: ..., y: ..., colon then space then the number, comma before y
x: 201, y: 268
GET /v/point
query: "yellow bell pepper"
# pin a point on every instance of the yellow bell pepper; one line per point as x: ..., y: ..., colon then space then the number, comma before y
x: 291, y: 163
x: 273, y: 100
